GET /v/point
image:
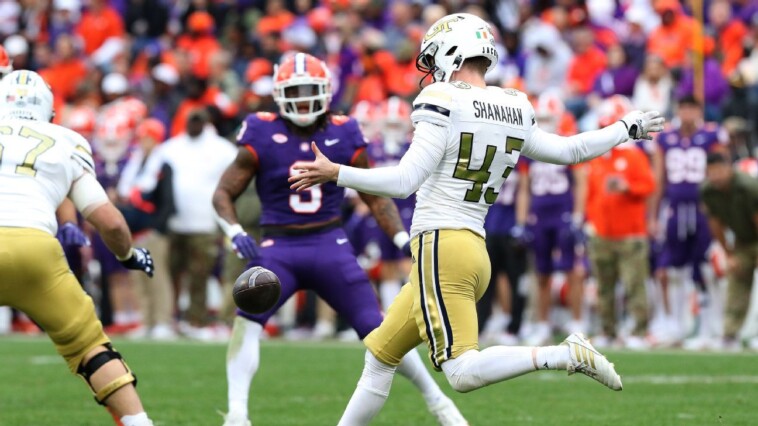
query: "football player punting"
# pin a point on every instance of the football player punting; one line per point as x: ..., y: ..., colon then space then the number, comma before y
x: 468, y: 137
x: 304, y: 243
x: 42, y: 163
x: 679, y: 162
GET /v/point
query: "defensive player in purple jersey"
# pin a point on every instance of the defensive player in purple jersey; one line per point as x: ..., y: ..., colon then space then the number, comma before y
x: 508, y: 262
x: 552, y: 198
x: 112, y: 136
x: 386, y: 147
x: 679, y: 162
x: 304, y: 243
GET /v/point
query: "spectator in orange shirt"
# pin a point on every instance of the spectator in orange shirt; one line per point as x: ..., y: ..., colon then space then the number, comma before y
x: 674, y: 37
x: 276, y: 19
x: 619, y: 185
x: 729, y: 35
x: 199, y: 43
x: 199, y: 96
x: 588, y: 62
x: 99, y: 23
x: 66, y: 70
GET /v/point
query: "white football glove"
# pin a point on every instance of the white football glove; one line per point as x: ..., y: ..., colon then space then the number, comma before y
x: 640, y: 124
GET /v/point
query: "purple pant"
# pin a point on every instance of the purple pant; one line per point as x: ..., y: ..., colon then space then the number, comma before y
x: 108, y: 262
x: 325, y: 263
x: 687, y: 237
x: 551, y: 233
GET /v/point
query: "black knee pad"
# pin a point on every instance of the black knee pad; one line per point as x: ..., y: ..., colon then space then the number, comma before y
x: 87, y: 370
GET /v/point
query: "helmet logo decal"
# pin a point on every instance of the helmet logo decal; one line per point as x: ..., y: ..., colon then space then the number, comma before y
x: 443, y: 26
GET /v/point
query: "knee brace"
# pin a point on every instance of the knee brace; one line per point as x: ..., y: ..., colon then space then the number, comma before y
x: 85, y: 371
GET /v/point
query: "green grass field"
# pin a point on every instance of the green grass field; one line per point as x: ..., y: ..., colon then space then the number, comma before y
x: 309, y: 384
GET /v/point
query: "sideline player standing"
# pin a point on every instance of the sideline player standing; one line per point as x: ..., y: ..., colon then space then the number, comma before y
x: 679, y: 162
x: 42, y: 164
x: 468, y: 137
x: 304, y: 243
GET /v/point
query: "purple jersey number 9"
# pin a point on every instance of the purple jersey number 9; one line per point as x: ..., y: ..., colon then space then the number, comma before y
x: 300, y: 202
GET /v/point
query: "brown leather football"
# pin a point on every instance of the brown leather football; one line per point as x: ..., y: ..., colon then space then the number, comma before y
x: 257, y: 290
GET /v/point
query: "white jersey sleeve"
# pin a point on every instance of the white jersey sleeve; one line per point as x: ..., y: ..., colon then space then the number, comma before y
x: 551, y: 148
x: 405, y: 178
x: 40, y: 163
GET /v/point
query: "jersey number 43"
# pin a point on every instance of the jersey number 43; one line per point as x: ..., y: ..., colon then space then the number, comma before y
x: 481, y: 175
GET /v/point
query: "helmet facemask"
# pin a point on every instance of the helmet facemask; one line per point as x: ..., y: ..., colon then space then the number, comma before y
x: 302, y: 102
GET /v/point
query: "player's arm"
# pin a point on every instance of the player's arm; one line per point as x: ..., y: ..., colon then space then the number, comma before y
x: 384, y: 209
x: 234, y: 181
x: 523, y: 198
x: 92, y: 201
x: 400, y: 181
x: 580, y: 195
x: 656, y: 160
x: 551, y: 148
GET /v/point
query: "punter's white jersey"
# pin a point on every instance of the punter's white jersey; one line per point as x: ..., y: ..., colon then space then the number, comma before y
x: 486, y: 131
x: 38, y: 163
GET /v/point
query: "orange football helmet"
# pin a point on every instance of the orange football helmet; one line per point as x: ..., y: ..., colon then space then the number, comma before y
x: 6, y: 65
x: 302, y: 88
x: 395, y: 120
x: 548, y: 111
x: 613, y: 109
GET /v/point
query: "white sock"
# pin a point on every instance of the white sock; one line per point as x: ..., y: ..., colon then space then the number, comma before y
x: 5, y: 319
x: 678, y: 302
x: 473, y: 369
x: 242, y: 360
x: 140, y: 419
x: 370, y: 394
x: 388, y: 290
x: 413, y: 369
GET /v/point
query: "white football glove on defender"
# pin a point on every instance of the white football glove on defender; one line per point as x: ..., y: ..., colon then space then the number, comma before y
x: 640, y: 124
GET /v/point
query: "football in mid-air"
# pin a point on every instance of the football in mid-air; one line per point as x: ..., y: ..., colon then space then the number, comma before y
x: 257, y: 290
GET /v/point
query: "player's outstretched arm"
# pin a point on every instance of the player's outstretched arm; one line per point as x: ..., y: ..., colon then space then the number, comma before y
x: 233, y: 182
x: 551, y: 148
x: 399, y: 181
x: 114, y: 231
x: 384, y: 210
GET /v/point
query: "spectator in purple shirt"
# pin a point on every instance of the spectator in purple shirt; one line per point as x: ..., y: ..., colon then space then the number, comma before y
x: 618, y: 78
x: 716, y: 88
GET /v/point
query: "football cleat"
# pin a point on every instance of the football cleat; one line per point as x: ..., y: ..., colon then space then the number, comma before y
x: 447, y: 413
x: 235, y: 420
x: 585, y: 359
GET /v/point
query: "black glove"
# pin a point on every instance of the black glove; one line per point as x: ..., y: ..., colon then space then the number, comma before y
x: 140, y: 260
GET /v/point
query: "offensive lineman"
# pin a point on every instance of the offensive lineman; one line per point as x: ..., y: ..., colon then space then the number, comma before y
x: 304, y: 243
x: 42, y: 163
x: 468, y: 137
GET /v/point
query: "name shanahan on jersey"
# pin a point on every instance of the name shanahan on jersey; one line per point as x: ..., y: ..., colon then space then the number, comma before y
x: 486, y: 130
x: 38, y: 163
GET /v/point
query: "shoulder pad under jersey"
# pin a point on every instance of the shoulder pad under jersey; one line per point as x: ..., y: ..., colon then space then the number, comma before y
x: 266, y: 116
x: 339, y: 120
x: 433, y: 104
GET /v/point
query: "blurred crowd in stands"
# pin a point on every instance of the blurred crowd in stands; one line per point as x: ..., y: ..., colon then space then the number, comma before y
x: 131, y: 74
